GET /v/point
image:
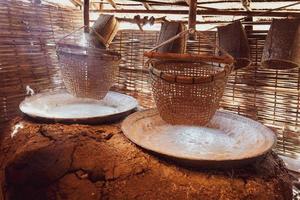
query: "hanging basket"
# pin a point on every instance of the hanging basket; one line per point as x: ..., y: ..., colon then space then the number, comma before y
x: 87, y: 72
x: 282, y: 46
x: 187, y: 88
x: 234, y: 40
x: 169, y: 30
x: 104, y: 29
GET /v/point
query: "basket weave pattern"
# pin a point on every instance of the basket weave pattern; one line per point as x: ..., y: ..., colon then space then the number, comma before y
x: 89, y: 74
x: 186, y: 92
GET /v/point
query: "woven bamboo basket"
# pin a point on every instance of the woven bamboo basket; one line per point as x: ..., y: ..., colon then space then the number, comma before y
x: 282, y: 46
x: 87, y: 72
x: 168, y: 30
x: 234, y: 40
x: 104, y: 29
x: 187, y: 88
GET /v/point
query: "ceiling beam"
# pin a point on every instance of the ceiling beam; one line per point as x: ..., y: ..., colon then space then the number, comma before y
x: 147, y: 6
x: 205, y: 12
x: 198, y: 22
x: 112, y: 3
x: 77, y: 3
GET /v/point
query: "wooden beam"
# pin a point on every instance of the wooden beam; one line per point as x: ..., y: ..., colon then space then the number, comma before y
x: 112, y: 3
x: 86, y: 15
x: 157, y: 20
x: 205, y: 12
x: 147, y: 6
x: 249, y: 26
x: 142, y: 21
x: 94, y: 6
x: 75, y: 3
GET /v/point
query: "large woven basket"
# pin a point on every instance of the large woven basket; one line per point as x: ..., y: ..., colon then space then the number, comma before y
x: 188, y: 89
x: 87, y: 72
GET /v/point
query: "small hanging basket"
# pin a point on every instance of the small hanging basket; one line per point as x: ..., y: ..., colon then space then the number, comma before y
x: 282, y: 46
x: 169, y: 30
x: 187, y: 88
x: 234, y: 40
x: 105, y: 29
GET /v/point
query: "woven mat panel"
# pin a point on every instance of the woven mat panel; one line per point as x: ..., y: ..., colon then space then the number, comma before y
x: 27, y: 50
x: 269, y: 96
x: 133, y: 75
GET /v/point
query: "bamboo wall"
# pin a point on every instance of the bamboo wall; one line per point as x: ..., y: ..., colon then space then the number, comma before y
x: 27, y: 50
x: 28, y: 34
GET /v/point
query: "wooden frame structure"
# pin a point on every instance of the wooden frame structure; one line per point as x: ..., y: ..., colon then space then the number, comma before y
x: 190, y: 8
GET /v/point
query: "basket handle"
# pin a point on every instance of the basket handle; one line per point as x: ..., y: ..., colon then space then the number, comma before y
x: 179, y: 35
x: 227, y: 58
x: 97, y: 34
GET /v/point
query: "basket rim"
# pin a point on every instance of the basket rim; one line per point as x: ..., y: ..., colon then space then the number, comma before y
x: 188, y: 57
x: 236, y: 67
x: 293, y: 65
x: 104, y: 53
x: 191, y: 79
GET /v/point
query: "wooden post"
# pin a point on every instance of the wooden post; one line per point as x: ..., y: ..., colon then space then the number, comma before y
x: 101, y: 6
x: 249, y: 28
x: 86, y: 15
x: 192, y: 15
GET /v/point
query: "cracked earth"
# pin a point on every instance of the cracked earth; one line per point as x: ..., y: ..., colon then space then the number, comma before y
x: 55, y: 161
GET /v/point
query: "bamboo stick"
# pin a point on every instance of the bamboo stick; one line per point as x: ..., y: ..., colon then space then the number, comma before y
x: 192, y: 16
x: 86, y: 15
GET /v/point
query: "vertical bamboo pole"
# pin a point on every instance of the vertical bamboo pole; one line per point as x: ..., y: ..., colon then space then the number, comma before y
x: 249, y: 28
x: 86, y: 15
x: 192, y: 15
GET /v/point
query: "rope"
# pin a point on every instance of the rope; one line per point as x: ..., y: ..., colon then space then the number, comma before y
x: 91, y: 28
x: 192, y: 31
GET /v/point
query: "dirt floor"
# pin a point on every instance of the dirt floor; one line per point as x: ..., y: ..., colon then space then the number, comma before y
x: 56, y: 161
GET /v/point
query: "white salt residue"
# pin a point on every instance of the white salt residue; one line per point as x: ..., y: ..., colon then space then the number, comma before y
x: 16, y: 129
x: 64, y: 105
x: 227, y: 137
x: 29, y: 91
x: 81, y: 110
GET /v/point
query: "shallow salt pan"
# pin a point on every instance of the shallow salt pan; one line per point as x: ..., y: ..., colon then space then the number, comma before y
x: 227, y: 137
x: 62, y: 105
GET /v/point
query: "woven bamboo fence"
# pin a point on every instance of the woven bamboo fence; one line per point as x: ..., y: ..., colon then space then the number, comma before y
x: 27, y: 50
x: 28, y: 34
